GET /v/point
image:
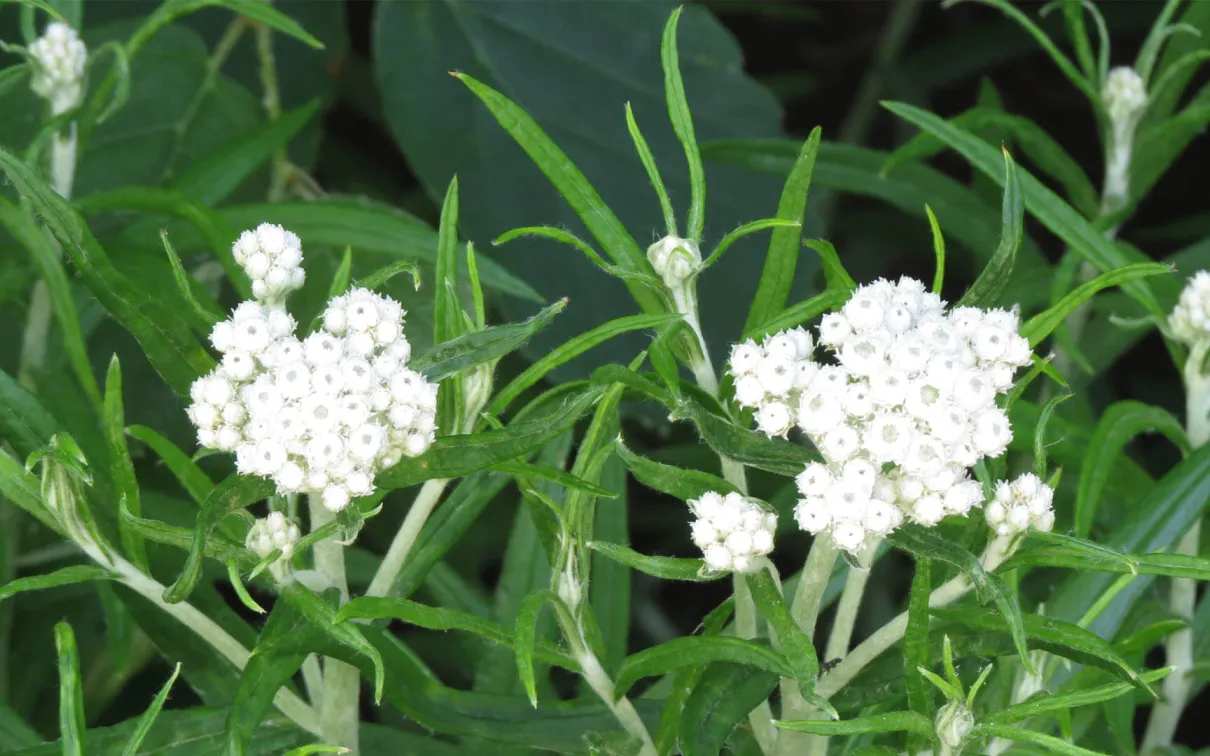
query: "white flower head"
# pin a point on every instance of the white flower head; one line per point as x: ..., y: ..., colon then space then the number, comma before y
x: 57, y: 59
x: 272, y: 258
x: 732, y: 531
x: 1021, y: 504
x: 274, y: 533
x: 674, y: 259
x: 1190, y: 319
x: 1124, y: 94
x: 321, y: 416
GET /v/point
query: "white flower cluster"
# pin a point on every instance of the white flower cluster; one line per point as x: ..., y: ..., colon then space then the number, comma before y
x: 1190, y: 319
x: 272, y: 258
x: 732, y: 531
x: 1124, y: 94
x: 58, y: 59
x: 674, y: 258
x: 273, y: 533
x: 1020, y: 505
x: 908, y: 407
x: 322, y: 415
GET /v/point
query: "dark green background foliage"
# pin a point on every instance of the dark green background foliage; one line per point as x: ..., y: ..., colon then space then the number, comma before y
x: 374, y: 119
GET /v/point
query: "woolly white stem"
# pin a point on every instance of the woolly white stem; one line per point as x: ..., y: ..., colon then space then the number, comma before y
x: 1166, y: 714
x: 392, y: 564
x: 339, y: 712
x: 598, y: 679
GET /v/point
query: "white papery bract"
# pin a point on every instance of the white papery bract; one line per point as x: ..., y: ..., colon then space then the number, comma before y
x: 907, y: 408
x: 272, y: 258
x: 273, y: 533
x: 319, y: 416
x: 1124, y: 94
x: 732, y: 531
x: 57, y: 60
x: 674, y: 259
x: 1190, y: 319
x: 1019, y: 505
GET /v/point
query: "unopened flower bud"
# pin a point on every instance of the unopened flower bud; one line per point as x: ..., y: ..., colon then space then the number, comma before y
x: 674, y: 259
x: 953, y: 723
x: 1124, y: 94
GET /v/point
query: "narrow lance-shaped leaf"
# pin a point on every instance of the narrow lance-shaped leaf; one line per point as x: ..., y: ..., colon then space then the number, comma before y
x: 682, y: 124
x: 165, y: 337
x: 477, y: 347
x: 666, y: 568
x: 121, y: 467
x: 1022, y: 735
x: 147, y: 720
x: 191, y: 477
x: 895, y: 721
x: 720, y: 700
x: 203, y: 314
x: 993, y: 280
x: 1061, y: 702
x: 1041, y: 325
x: 838, y: 279
x: 784, y: 243
x: 917, y: 654
x: 653, y: 171
x: 678, y: 482
x: 80, y: 573
x: 693, y: 650
x: 71, y: 692
x: 745, y: 446
x: 458, y: 456
x: 790, y: 638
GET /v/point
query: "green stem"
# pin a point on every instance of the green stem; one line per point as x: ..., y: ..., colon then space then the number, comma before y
x: 339, y: 711
x: 392, y: 564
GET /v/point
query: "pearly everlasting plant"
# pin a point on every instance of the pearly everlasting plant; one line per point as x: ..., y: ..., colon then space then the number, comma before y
x: 656, y: 476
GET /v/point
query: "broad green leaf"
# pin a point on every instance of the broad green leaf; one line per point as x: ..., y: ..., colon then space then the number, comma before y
x: 457, y: 456
x: 191, y: 477
x: 163, y: 334
x: 82, y: 573
x: 1045, y: 153
x: 234, y: 493
x: 438, y: 618
x: 50, y: 270
x: 573, y: 348
x: 693, y: 650
x: 1059, y: 637
x: 682, y: 124
x: 477, y: 347
x: 668, y: 568
x: 678, y: 482
x: 215, y: 177
x: 720, y: 700
x: 895, y: 721
x: 1059, y: 702
x: 1041, y: 325
x: 71, y: 694
x: 993, y: 280
x: 603, y: 63
x: 1118, y: 425
x: 776, y: 277
x: 745, y: 446
x: 1041, y: 202
x: 923, y: 542
x: 1022, y: 735
x: 147, y: 720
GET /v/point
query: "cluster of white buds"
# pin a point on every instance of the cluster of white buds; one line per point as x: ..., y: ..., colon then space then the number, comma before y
x: 770, y: 376
x: 1190, y: 319
x: 272, y: 258
x: 674, y: 259
x: 908, y: 407
x: 273, y: 533
x: 1124, y: 94
x: 321, y: 415
x: 57, y: 59
x: 1020, y: 505
x: 732, y: 531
